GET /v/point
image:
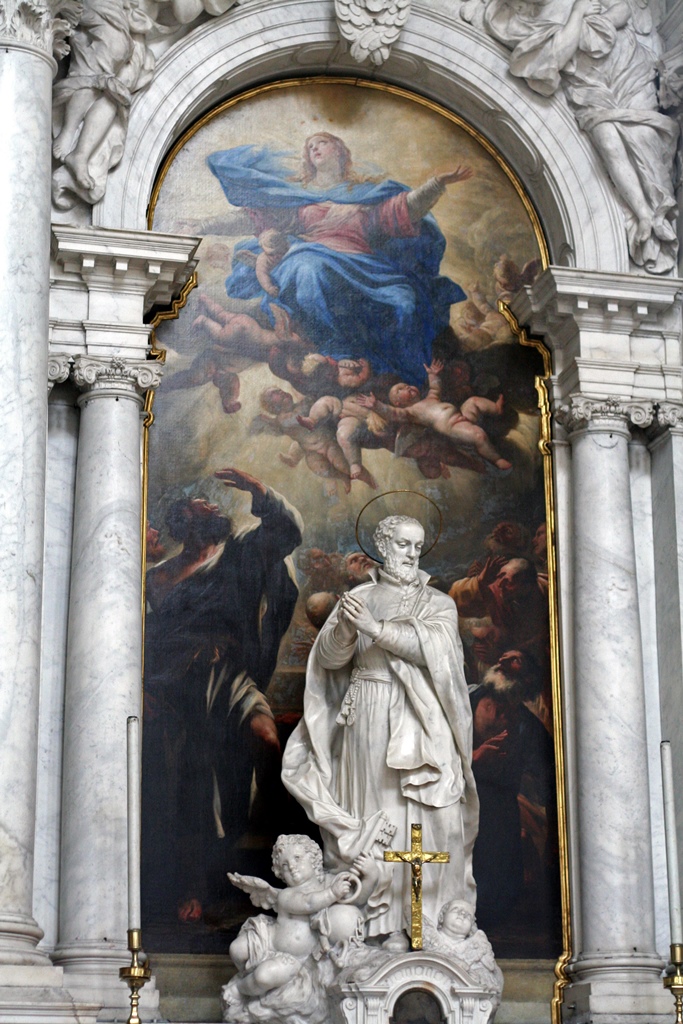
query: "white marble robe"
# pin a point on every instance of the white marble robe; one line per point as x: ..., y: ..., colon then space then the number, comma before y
x: 386, y: 736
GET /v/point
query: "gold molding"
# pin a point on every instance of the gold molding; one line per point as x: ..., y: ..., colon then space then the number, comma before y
x: 544, y: 443
x: 545, y: 448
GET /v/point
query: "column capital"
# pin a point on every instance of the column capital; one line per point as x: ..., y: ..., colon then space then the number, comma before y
x: 102, y: 377
x: 58, y: 369
x: 612, y: 415
x: 41, y: 26
x: 670, y: 414
x: 668, y: 420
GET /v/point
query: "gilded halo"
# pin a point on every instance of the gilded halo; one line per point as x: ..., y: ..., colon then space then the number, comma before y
x: 398, y: 502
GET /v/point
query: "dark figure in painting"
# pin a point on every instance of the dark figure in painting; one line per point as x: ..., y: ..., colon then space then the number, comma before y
x: 513, y: 766
x: 217, y: 613
x: 513, y: 596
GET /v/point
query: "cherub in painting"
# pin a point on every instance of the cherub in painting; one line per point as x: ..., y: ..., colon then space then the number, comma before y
x: 460, y: 425
x: 317, y: 445
x: 352, y: 420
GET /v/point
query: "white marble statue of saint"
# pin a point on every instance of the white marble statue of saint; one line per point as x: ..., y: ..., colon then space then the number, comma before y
x: 386, y: 735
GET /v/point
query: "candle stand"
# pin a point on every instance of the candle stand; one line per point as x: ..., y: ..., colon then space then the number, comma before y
x: 137, y: 974
x: 673, y: 978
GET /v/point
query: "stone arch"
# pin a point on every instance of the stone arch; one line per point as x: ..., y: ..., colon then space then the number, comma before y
x: 442, y: 58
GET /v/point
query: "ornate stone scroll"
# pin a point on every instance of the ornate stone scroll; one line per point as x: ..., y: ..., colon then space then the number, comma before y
x: 94, y: 373
x: 45, y: 25
x: 580, y: 411
x: 58, y: 369
x: 371, y: 26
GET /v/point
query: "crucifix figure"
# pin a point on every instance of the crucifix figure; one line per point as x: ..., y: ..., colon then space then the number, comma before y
x: 416, y: 857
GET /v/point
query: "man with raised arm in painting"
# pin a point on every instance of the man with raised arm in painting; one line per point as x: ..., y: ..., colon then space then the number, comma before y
x: 217, y: 613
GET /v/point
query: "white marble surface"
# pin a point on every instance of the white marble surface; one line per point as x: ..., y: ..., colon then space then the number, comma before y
x: 667, y: 505
x: 444, y: 57
x: 562, y: 475
x: 103, y: 687
x: 641, y: 501
x: 62, y: 440
x: 610, y: 709
x: 24, y: 270
x: 615, y: 847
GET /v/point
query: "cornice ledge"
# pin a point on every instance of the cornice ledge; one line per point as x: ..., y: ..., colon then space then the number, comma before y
x: 95, y: 241
x: 614, y: 302
x: 151, y: 263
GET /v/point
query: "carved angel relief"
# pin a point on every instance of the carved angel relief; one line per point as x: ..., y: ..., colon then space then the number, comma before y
x: 111, y: 60
x: 371, y: 26
x: 595, y: 50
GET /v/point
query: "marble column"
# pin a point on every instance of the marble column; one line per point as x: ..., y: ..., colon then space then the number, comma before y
x: 62, y: 441
x: 616, y: 970
x: 26, y: 70
x: 103, y: 676
x: 666, y: 448
x: 641, y: 498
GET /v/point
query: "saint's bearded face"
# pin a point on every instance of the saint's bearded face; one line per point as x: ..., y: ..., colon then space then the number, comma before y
x: 402, y: 551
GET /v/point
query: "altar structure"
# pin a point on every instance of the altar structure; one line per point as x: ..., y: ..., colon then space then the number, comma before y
x: 576, y: 115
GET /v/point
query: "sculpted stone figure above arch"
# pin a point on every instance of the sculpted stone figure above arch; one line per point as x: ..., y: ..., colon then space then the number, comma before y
x: 111, y: 61
x: 602, y: 55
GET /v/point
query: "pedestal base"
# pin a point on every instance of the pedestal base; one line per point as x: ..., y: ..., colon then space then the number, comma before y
x: 36, y: 995
x: 91, y: 974
x: 372, y: 993
x: 618, y: 993
x: 113, y: 996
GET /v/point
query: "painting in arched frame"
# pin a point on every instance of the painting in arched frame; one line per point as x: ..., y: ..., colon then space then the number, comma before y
x: 344, y: 341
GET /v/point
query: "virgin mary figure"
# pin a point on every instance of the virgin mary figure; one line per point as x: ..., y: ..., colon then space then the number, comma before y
x: 357, y: 262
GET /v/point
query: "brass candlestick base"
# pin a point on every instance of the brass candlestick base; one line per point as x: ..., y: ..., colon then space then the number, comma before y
x: 673, y: 978
x: 137, y: 974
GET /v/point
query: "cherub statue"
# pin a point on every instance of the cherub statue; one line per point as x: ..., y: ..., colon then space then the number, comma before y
x: 276, y: 958
x: 457, y: 937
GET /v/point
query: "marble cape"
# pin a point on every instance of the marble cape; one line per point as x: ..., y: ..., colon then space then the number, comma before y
x: 429, y: 717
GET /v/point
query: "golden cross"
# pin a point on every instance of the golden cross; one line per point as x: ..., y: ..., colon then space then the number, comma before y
x: 416, y: 857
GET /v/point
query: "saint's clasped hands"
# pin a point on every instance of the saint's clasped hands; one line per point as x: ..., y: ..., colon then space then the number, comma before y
x: 355, y: 617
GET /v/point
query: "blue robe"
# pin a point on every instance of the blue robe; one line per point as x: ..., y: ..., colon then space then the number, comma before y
x: 386, y: 306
